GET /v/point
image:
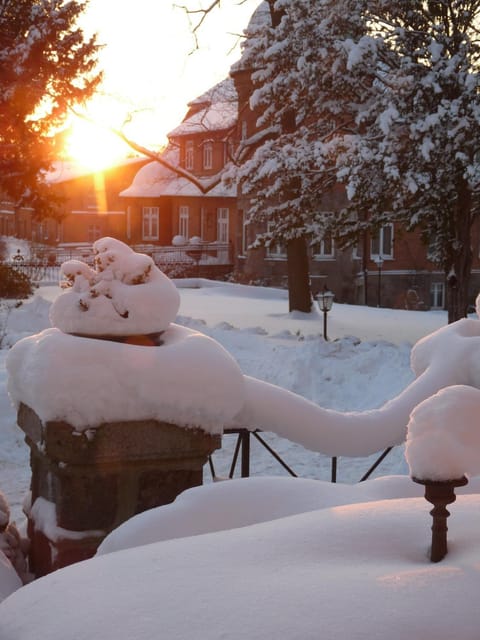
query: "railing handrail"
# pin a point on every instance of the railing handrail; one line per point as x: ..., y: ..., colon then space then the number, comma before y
x: 242, y: 447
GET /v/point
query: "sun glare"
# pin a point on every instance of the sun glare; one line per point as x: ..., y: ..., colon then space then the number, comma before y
x: 93, y: 147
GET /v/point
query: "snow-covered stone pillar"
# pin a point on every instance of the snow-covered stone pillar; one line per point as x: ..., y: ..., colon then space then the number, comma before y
x: 86, y: 484
x: 120, y: 407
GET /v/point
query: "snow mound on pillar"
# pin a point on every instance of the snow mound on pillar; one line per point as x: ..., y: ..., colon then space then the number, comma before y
x: 124, y: 294
x: 443, y: 441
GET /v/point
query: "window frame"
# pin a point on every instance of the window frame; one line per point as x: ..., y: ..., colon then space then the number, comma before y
x: 277, y: 250
x: 189, y: 155
x: 208, y: 155
x: 436, y: 289
x: 223, y: 224
x: 94, y: 232
x: 386, y: 253
x: 151, y: 215
x: 183, y: 220
x: 322, y: 253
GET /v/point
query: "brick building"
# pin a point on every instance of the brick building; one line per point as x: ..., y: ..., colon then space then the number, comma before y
x: 164, y: 208
x: 89, y: 207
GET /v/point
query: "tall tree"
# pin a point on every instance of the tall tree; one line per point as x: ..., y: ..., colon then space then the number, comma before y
x: 305, y: 95
x: 416, y: 161
x: 389, y: 92
x: 46, y: 66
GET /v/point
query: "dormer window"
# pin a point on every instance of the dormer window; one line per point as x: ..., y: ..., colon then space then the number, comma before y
x: 189, y: 155
x: 208, y: 155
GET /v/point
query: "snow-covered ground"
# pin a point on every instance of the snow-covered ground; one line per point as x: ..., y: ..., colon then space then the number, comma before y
x: 304, y: 563
x: 360, y: 367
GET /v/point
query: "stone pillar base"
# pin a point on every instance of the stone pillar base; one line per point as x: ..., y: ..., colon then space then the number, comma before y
x: 47, y: 555
x: 101, y: 477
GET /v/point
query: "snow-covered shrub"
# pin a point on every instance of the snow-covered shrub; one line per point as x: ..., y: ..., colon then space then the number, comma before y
x: 14, y: 283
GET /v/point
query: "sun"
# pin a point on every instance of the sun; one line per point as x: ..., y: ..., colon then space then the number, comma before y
x: 92, y: 146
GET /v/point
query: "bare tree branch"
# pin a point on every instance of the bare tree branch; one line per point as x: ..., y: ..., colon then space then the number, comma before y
x: 201, y: 15
x: 204, y: 187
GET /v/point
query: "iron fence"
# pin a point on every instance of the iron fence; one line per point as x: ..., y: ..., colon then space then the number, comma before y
x: 38, y: 272
x: 242, y: 454
x: 176, y: 261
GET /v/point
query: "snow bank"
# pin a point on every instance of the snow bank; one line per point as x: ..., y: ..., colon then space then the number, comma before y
x: 258, y: 499
x: 357, y: 571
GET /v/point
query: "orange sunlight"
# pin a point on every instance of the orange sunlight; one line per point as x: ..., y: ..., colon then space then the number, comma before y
x: 92, y: 146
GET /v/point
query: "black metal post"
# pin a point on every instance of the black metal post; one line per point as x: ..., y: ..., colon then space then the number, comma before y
x: 379, y: 283
x: 334, y: 469
x: 325, y: 324
x: 245, y: 453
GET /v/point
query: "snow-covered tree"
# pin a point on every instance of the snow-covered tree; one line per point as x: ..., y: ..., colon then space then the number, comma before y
x: 416, y: 161
x: 388, y: 94
x: 46, y: 66
x: 305, y: 96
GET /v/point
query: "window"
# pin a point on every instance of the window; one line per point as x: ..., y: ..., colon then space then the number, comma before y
x: 189, y: 154
x: 222, y: 225
x: 41, y: 229
x: 94, y: 232
x: 208, y: 155
x: 91, y: 200
x: 277, y: 250
x: 244, y: 130
x: 183, y: 217
x: 382, y: 242
x: 150, y: 223
x: 437, y: 295
x: 325, y: 248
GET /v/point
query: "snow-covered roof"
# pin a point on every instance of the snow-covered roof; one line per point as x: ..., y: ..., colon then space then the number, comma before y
x: 155, y: 180
x: 215, y: 110
x: 63, y: 171
x: 223, y: 91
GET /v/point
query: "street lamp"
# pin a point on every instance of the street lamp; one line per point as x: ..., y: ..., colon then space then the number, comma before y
x: 325, y: 302
x: 379, y: 263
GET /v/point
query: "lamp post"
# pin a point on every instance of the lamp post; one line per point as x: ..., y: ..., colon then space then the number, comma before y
x: 379, y: 263
x: 325, y: 302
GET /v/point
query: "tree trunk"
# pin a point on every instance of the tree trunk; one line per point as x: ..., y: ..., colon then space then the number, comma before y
x: 299, y: 296
x: 458, y: 280
x: 458, y: 275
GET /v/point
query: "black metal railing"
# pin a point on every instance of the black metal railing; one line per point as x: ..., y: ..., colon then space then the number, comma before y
x: 206, y: 259
x: 242, y: 452
x: 38, y: 272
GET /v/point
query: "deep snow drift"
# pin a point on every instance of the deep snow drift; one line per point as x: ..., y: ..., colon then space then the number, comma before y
x: 351, y: 560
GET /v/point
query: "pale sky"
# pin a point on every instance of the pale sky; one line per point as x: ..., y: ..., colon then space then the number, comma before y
x: 150, y: 62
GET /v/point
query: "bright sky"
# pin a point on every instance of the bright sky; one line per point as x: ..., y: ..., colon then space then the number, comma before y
x: 152, y: 66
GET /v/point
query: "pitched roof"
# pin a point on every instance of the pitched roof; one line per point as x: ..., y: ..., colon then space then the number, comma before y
x: 63, y: 170
x: 155, y: 180
x: 215, y: 110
